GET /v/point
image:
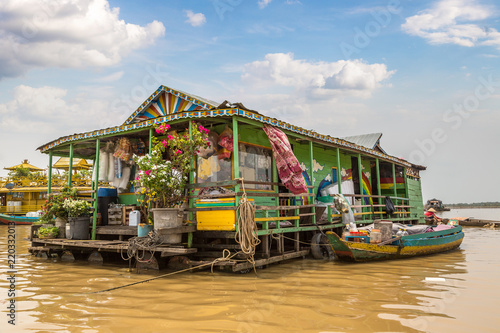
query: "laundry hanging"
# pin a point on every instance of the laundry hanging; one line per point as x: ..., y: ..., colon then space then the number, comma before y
x: 289, y: 170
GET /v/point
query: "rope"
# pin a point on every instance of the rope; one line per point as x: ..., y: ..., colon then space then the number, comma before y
x: 146, y: 244
x: 246, y: 236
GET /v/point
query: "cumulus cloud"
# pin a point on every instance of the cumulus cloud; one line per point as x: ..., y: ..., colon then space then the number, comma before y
x: 263, y: 3
x: 453, y: 22
x: 346, y: 75
x: 196, y: 20
x: 68, y: 34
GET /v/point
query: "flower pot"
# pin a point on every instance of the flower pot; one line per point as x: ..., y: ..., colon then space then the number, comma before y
x: 78, y: 227
x: 61, y: 224
x: 165, y: 218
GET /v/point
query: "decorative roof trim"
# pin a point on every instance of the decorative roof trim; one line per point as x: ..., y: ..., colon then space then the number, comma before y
x: 218, y: 113
x: 147, y: 103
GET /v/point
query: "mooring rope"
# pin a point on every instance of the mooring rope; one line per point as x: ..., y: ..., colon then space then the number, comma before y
x: 146, y: 244
x: 246, y: 236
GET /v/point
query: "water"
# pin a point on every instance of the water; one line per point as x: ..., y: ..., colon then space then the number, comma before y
x: 459, y: 295
x: 473, y: 213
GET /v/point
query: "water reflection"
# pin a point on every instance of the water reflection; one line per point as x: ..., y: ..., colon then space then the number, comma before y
x: 300, y: 296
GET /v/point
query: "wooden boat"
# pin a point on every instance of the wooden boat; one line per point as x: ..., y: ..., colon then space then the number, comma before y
x: 9, y: 219
x: 398, y: 248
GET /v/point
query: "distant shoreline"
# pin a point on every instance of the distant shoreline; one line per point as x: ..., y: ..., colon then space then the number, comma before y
x: 470, y: 206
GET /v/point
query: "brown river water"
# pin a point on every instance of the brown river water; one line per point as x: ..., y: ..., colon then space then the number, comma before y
x: 449, y: 292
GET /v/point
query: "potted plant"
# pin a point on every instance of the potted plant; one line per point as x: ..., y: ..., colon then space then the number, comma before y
x: 48, y: 232
x: 163, y: 174
x: 54, y: 209
x: 78, y: 218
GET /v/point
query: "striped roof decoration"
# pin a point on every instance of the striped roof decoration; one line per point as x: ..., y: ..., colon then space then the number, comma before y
x: 165, y: 101
x: 217, y: 113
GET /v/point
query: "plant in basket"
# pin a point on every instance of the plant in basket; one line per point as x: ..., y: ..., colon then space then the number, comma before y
x: 48, y: 232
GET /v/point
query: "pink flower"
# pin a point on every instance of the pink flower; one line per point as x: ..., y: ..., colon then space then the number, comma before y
x: 164, y: 143
x: 147, y: 172
x: 170, y: 137
x: 138, y: 178
x: 178, y: 152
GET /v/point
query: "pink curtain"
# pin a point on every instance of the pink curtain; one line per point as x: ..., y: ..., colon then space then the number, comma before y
x: 289, y: 170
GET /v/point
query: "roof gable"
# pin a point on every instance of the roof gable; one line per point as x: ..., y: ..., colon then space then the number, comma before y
x: 165, y: 101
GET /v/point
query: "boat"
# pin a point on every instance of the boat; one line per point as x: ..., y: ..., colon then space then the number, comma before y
x: 418, y: 244
x: 17, y: 220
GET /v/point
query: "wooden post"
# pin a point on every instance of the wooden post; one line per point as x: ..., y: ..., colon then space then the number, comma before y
x: 49, y: 180
x: 311, y: 167
x: 360, y: 175
x: 339, y: 173
x: 70, y: 168
x: 150, y: 140
x: 379, y: 190
x: 191, y: 181
x: 236, y: 166
x: 96, y: 188
x: 394, y: 179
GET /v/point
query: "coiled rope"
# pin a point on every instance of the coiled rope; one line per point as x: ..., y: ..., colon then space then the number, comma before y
x: 145, y: 244
x: 246, y: 236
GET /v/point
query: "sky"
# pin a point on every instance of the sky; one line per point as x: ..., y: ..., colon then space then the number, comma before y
x: 424, y: 73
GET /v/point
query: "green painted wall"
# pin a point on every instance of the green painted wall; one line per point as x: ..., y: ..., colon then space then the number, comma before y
x: 416, y: 200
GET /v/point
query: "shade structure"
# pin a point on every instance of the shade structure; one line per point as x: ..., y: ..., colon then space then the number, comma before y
x: 24, y: 165
x: 78, y: 164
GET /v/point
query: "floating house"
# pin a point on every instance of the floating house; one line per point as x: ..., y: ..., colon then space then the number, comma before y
x: 286, y: 219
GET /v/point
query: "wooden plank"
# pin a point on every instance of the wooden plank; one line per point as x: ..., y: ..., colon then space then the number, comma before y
x: 203, y: 209
x: 176, y: 230
x: 282, y: 218
x: 116, y: 230
x: 282, y: 207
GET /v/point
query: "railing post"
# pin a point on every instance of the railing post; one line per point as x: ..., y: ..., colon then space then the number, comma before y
x: 360, y: 175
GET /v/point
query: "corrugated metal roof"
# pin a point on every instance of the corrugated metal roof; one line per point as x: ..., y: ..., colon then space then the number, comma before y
x: 365, y: 140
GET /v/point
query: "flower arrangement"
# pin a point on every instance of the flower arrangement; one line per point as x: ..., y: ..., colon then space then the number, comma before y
x: 54, y: 205
x: 76, y: 208
x: 164, y: 171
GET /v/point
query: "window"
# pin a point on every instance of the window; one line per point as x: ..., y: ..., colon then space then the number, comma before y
x: 256, y: 165
x: 213, y: 169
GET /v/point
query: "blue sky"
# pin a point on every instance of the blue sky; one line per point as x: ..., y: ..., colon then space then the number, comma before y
x: 425, y: 73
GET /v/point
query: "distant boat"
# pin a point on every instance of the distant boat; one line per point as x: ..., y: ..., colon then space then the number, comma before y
x: 437, y: 205
x: 400, y: 247
x: 8, y: 219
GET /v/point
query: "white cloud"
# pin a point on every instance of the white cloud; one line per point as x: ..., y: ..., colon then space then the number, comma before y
x: 453, y: 22
x: 74, y: 34
x: 346, y: 75
x: 263, y: 3
x: 196, y: 20
x: 37, y: 115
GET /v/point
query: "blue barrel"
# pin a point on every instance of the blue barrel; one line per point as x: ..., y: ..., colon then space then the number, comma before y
x: 105, y: 196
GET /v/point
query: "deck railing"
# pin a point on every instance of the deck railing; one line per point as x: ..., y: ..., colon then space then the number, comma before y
x: 376, y: 209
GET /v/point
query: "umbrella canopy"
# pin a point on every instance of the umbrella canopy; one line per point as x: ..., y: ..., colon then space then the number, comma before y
x: 78, y: 164
x: 24, y: 165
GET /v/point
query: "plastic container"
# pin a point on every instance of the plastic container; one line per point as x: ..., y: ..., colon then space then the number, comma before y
x: 375, y: 236
x: 78, y: 228
x: 134, y: 218
x: 144, y: 229
x: 105, y: 196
